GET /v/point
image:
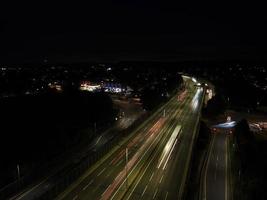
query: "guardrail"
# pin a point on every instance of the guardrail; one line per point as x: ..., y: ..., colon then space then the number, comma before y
x: 68, y: 177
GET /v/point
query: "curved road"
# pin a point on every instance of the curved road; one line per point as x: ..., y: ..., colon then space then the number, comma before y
x: 158, y: 156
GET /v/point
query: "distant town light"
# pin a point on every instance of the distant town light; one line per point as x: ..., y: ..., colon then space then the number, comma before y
x: 87, y: 86
x: 55, y: 85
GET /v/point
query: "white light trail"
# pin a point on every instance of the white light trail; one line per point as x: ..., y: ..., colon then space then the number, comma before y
x: 169, y: 146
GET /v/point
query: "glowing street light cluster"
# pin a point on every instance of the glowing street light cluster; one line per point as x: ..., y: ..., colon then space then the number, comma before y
x: 86, y: 86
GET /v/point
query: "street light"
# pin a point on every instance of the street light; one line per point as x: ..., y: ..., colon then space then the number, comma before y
x: 18, y: 170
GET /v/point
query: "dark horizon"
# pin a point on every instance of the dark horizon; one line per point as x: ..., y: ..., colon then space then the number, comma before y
x: 132, y: 31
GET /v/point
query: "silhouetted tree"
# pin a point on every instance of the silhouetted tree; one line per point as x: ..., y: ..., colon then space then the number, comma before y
x: 215, y: 106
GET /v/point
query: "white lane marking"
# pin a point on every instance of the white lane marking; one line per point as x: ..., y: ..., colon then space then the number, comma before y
x: 85, y: 187
x: 144, y: 191
x: 98, y: 140
x: 139, y: 178
x: 90, y: 182
x: 76, y: 197
x: 134, y: 167
x: 217, y: 157
x: 155, y: 194
x: 207, y: 165
x: 166, y: 195
x: 151, y: 176
x: 161, y: 179
x: 105, y: 190
x: 101, y: 172
x: 119, y: 163
x: 24, y: 194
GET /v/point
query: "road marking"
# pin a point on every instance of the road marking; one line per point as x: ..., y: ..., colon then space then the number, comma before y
x: 118, y: 157
x: 101, y: 172
x: 85, y: 187
x: 105, y: 190
x: 113, y: 150
x: 90, y: 182
x: 149, y: 147
x: 98, y: 139
x: 161, y: 179
x: 217, y: 157
x: 155, y: 193
x: 119, y: 163
x: 166, y: 195
x: 207, y: 165
x: 142, y: 156
x: 151, y: 176
x: 27, y: 192
x: 141, y: 174
x: 144, y: 191
x: 76, y: 197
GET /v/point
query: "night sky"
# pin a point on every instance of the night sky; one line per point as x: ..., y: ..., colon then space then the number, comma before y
x: 132, y: 30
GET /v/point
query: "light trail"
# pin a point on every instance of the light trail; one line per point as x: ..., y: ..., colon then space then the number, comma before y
x: 134, y: 161
x: 154, y: 128
x: 169, y: 146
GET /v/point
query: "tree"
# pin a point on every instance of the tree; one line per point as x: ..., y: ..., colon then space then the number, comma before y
x: 215, y: 106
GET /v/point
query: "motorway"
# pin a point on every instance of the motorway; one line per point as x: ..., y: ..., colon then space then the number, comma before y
x: 61, y: 164
x: 153, y: 161
x: 216, y: 170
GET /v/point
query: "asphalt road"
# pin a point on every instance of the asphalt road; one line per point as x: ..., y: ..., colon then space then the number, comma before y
x: 215, y: 177
x: 165, y: 180
x: 131, y: 112
x: 159, y: 152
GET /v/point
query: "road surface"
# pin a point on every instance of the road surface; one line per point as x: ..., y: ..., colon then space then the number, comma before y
x: 216, y: 170
x: 131, y: 112
x: 158, y: 156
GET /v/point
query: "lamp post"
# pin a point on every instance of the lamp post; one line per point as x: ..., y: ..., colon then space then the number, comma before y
x: 95, y: 127
x: 18, y: 171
